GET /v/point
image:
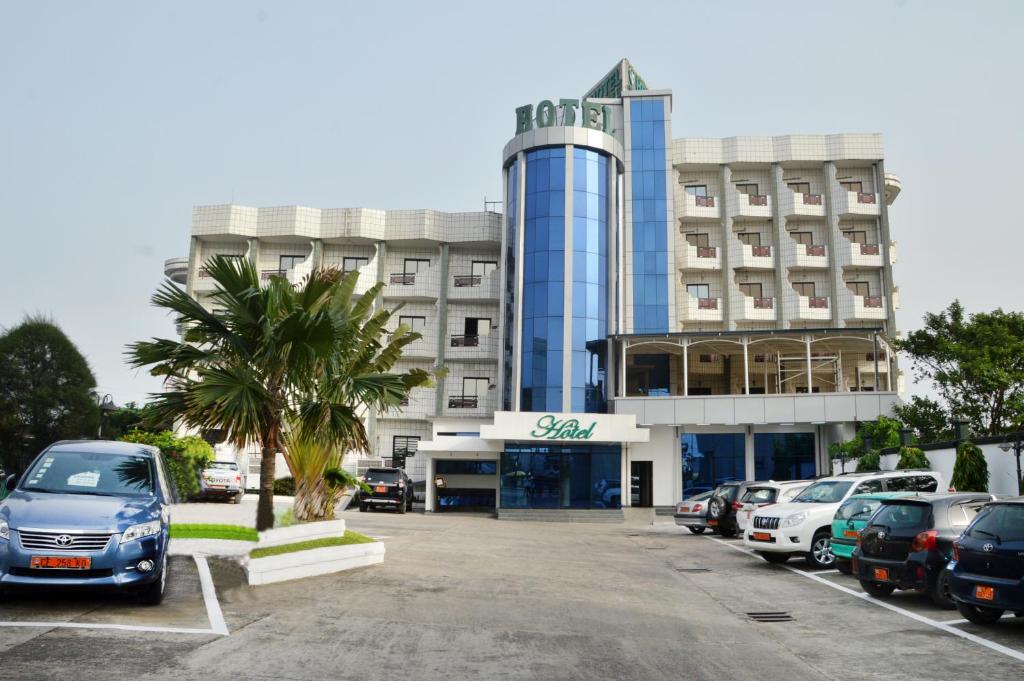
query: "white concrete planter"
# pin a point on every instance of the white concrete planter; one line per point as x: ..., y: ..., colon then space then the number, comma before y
x: 313, y: 562
x: 302, y: 532
x: 210, y: 547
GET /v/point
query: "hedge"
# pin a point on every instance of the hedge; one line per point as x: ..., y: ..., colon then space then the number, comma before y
x: 185, y: 457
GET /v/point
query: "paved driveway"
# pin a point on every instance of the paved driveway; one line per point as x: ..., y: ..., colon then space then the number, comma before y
x: 475, y: 598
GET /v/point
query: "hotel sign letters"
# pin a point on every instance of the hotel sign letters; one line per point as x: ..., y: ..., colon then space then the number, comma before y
x: 550, y: 428
x: 547, y: 115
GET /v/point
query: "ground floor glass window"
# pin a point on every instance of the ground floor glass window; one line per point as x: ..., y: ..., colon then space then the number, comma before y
x: 710, y: 459
x: 784, y: 456
x: 566, y: 476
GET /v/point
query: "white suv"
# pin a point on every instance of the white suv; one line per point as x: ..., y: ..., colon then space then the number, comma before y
x: 804, y: 526
x: 765, y: 494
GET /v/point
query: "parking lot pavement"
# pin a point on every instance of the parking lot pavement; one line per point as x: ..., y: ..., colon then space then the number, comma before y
x: 463, y: 597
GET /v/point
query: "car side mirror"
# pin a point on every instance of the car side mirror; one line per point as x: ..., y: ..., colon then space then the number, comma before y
x: 10, y: 483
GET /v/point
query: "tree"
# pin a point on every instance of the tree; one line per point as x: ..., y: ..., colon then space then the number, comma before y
x: 970, y: 471
x: 884, y: 433
x: 976, y: 362
x: 312, y: 355
x: 870, y: 461
x: 319, y: 478
x: 46, y: 391
x: 912, y: 457
x: 927, y: 418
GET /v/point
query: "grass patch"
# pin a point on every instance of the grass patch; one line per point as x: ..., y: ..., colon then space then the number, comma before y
x: 349, y: 537
x: 205, y: 531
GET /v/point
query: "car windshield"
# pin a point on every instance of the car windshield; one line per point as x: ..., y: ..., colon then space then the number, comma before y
x: 759, y: 495
x: 824, y: 492
x: 902, y: 516
x: 857, y: 509
x: 222, y: 466
x: 91, y: 473
x: 382, y: 476
x: 1002, y: 522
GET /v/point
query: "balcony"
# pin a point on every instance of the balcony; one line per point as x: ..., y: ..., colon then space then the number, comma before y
x: 808, y: 256
x: 693, y: 309
x: 700, y: 258
x: 813, y: 308
x: 473, y: 348
x: 420, y: 404
x: 864, y: 307
x: 856, y: 203
x: 469, y: 405
x: 367, y: 277
x: 797, y: 204
x: 176, y: 269
x: 751, y: 309
x: 203, y: 281
x: 754, y: 258
x: 699, y: 207
x: 417, y: 286
x: 424, y: 348
x: 757, y: 206
x: 852, y: 254
x: 475, y: 288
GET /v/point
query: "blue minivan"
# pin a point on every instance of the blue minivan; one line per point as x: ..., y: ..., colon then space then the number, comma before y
x: 89, y: 514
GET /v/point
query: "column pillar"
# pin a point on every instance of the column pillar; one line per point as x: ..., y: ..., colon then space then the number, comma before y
x: 746, y: 368
x: 810, y: 373
x: 567, y: 314
x: 725, y: 178
x: 778, y: 236
x: 686, y: 367
x: 834, y: 239
x: 442, y: 324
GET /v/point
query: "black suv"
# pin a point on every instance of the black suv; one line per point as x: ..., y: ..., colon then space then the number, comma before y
x: 389, y: 488
x: 987, y: 572
x: 723, y: 506
x: 909, y: 540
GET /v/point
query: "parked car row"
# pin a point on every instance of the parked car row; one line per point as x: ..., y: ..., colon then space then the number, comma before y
x: 891, y: 530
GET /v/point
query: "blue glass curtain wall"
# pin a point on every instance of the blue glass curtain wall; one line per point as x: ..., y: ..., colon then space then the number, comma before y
x: 784, y: 456
x: 512, y: 192
x: 710, y: 459
x: 589, y: 280
x: 650, y: 216
x: 570, y: 476
x: 543, y: 281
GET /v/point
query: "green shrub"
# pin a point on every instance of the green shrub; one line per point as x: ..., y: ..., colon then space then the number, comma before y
x: 284, y: 487
x: 185, y: 457
x: 872, y: 461
x: 970, y: 472
x: 912, y: 457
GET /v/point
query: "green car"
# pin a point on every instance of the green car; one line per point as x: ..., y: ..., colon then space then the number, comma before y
x: 851, y: 517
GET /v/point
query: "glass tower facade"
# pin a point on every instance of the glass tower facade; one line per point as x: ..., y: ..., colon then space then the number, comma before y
x: 650, y: 216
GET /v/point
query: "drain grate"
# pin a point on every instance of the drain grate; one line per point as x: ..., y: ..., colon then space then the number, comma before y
x: 774, y: 616
x: 693, y: 569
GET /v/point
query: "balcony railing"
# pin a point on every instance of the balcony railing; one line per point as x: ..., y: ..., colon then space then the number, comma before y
x: 204, y: 273
x: 864, y: 197
x: 816, y: 250
x: 873, y: 301
x: 818, y: 302
x: 267, y: 274
x: 764, y: 303
x: 465, y: 341
x: 761, y: 251
x: 705, y: 201
x: 463, y: 280
x: 463, y: 402
x: 812, y: 199
x: 707, y: 303
x: 403, y: 278
x: 707, y: 252
x: 869, y: 249
x: 757, y: 199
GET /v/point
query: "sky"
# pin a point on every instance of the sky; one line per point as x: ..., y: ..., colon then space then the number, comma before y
x: 117, y: 117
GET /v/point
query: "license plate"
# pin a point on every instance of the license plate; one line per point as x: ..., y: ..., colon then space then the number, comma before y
x: 61, y: 562
x: 762, y: 536
x: 882, y: 574
x: 712, y: 523
x: 984, y: 593
x: 853, y: 534
x: 380, y: 489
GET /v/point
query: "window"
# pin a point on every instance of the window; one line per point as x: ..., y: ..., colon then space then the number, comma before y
x: 475, y: 386
x: 697, y: 189
x: 805, y: 238
x: 869, y: 487
x: 823, y: 491
x: 414, y: 323
x: 477, y: 326
x: 415, y: 265
x: 698, y: 240
x: 405, y: 445
x: 750, y: 189
x: 852, y: 186
x: 697, y: 391
x: 699, y: 290
x: 910, y: 483
x: 349, y: 264
x: 482, y: 268
x: 857, y: 237
x: 1002, y: 521
x: 859, y: 288
x: 961, y: 515
x: 448, y: 467
x: 804, y: 288
x: 286, y: 263
x: 800, y: 187
x: 750, y: 238
x: 751, y: 290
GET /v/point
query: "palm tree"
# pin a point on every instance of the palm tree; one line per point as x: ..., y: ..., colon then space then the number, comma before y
x: 313, y: 355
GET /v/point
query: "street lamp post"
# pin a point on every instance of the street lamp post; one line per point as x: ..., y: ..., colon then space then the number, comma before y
x: 107, y: 407
x: 1016, y: 447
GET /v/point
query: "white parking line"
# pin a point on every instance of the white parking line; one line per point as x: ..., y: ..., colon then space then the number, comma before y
x: 941, y: 626
x: 217, y: 623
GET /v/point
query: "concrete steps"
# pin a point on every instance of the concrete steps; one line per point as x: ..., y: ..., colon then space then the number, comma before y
x: 560, y: 515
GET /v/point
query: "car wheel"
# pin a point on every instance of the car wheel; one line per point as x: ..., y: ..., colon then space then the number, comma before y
x: 775, y: 558
x: 727, y: 530
x: 153, y: 594
x: 716, y: 508
x: 877, y: 589
x: 979, y: 614
x: 940, y: 593
x: 821, y: 555
x: 696, y: 529
x: 844, y: 566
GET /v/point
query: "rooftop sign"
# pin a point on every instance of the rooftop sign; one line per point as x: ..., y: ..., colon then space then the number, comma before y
x: 593, y: 116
